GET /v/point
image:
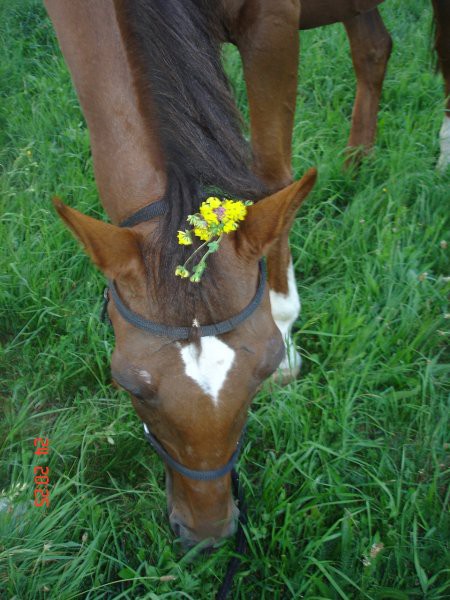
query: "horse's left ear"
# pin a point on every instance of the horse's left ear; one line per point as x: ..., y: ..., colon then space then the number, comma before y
x: 113, y: 249
x: 271, y: 217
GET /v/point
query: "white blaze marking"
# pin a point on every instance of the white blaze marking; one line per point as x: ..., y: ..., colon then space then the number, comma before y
x: 145, y: 375
x: 444, y: 138
x: 208, y: 365
x: 285, y: 310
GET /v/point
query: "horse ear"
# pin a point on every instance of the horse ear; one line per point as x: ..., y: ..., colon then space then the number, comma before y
x: 271, y: 217
x: 113, y: 249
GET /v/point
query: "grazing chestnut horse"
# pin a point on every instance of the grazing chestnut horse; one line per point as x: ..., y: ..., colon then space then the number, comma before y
x: 163, y: 131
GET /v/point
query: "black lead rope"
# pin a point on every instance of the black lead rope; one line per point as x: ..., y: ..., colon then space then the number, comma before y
x: 241, y: 541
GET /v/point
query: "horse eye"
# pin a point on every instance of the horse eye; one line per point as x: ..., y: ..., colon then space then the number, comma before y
x: 142, y: 392
x: 127, y: 387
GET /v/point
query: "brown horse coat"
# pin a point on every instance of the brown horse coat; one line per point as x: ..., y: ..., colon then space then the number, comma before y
x: 315, y: 13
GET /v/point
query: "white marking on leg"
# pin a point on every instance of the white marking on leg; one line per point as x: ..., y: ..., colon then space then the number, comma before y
x: 444, y: 139
x: 208, y: 365
x: 285, y: 310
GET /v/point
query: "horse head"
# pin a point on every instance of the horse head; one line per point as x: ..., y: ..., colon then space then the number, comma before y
x: 193, y: 394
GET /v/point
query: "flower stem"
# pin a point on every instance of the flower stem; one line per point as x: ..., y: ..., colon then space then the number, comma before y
x: 195, y: 252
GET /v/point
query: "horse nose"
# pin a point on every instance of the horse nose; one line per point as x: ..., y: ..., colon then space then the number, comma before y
x: 183, y: 533
x: 210, y: 535
x: 177, y: 527
x: 231, y: 526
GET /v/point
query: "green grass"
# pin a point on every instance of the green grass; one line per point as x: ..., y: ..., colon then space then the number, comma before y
x: 354, y: 453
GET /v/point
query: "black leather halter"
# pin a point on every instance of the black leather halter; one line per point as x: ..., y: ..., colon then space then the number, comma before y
x: 145, y: 214
x: 183, y: 333
x: 157, y: 209
x: 179, y: 333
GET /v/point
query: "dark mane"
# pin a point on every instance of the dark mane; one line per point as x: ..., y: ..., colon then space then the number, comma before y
x: 175, y: 51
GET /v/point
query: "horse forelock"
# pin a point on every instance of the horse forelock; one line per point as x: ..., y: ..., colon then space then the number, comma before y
x: 173, y: 49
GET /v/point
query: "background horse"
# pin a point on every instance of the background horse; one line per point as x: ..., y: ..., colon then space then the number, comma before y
x: 266, y: 35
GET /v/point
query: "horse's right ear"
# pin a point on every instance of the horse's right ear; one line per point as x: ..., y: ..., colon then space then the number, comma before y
x: 113, y: 249
x: 272, y: 216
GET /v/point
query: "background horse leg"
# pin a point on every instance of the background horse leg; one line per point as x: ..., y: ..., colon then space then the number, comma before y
x: 371, y: 47
x: 268, y: 41
x: 442, y: 44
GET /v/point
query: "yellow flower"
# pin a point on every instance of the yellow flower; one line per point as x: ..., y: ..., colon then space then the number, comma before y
x: 235, y: 210
x: 230, y: 226
x: 202, y: 233
x: 208, y: 214
x: 213, y: 202
x: 181, y: 271
x: 184, y: 238
x: 215, y: 218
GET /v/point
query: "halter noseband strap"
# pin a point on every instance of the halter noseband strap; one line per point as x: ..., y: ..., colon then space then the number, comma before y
x: 193, y: 473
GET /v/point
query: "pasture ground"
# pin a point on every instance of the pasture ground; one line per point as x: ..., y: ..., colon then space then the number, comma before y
x: 345, y: 470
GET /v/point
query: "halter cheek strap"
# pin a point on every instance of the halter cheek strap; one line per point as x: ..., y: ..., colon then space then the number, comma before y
x: 155, y: 209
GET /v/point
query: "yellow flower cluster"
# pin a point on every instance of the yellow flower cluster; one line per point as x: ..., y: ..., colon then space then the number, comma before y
x: 181, y: 271
x: 215, y: 217
x: 226, y: 213
x: 208, y: 208
x: 235, y: 211
x: 203, y: 233
x: 184, y: 238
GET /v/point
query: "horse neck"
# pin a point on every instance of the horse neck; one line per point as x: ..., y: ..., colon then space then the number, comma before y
x: 128, y: 163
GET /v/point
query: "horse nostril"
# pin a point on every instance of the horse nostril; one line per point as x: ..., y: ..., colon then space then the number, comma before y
x: 179, y: 528
x: 176, y: 528
x: 183, y: 534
